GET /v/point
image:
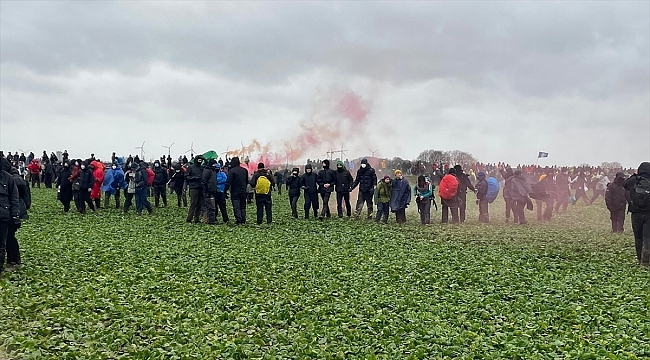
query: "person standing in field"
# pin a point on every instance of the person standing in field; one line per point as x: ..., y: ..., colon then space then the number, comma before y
x: 64, y: 186
x: 129, y: 192
x: 309, y: 184
x: 463, y: 184
x: 423, y: 192
x: 563, y: 190
x: 448, y: 192
x: 638, y: 187
x: 343, y: 184
x: 383, y: 193
x: 97, y: 169
x: 9, y: 207
x: 160, y: 183
x: 113, y: 184
x: 262, y: 181
x: 25, y: 202
x: 209, y: 184
x: 48, y: 172
x: 34, y: 173
x: 507, y: 198
x: 142, y: 190
x: 237, y: 183
x: 86, y: 181
x: 326, y: 180
x: 580, y: 184
x: 193, y: 177
x: 178, y: 184
x: 400, y: 197
x: 279, y: 180
x: 220, y: 197
x: 601, y: 187
x: 519, y: 190
x: 616, y: 198
x: 366, y: 180
x: 481, y: 198
x: 293, y: 186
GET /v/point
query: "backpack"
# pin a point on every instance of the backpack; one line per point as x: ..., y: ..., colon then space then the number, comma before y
x: 263, y: 186
x: 492, y: 190
x: 640, y: 195
x: 448, y: 187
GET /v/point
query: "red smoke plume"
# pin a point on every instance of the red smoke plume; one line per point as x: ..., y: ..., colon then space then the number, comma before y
x: 332, y: 116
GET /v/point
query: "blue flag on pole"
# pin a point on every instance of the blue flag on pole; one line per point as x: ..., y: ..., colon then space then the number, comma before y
x: 542, y: 154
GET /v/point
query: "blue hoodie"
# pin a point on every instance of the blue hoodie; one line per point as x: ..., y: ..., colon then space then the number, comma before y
x: 113, y: 180
x: 221, y: 179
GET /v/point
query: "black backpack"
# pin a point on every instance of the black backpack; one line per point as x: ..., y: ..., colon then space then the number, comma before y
x: 640, y: 195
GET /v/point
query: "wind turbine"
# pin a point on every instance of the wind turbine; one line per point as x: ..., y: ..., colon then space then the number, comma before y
x: 373, y: 152
x: 169, y: 149
x: 225, y: 153
x: 191, y: 150
x: 141, y: 147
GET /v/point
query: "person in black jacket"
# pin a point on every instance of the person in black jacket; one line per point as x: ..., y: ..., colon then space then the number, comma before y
x: 293, y: 186
x: 236, y: 183
x: 178, y: 181
x: 193, y: 177
x: 463, y: 185
x: 343, y: 184
x: 9, y: 207
x: 367, y: 181
x: 25, y: 198
x: 326, y: 181
x: 616, y: 199
x: 481, y: 193
x: 563, y: 190
x: 64, y: 186
x: 85, y: 187
x: 263, y: 200
x: 309, y: 184
x: 142, y: 191
x: 638, y: 187
x: 160, y: 183
x: 48, y: 172
x: 209, y: 185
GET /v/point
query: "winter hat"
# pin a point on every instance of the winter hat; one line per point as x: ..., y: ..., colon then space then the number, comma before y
x: 327, y: 163
x: 295, y: 170
x: 235, y: 161
x: 134, y: 166
x: 458, y: 169
x: 260, y: 166
x: 387, y: 177
x: 451, y: 171
x: 644, y: 168
x: 481, y: 175
x: 5, y: 164
x: 340, y: 163
x: 308, y: 166
x: 398, y: 172
x: 364, y: 161
x: 212, y: 162
x: 620, y: 175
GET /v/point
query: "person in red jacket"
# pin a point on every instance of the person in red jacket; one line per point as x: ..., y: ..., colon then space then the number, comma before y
x: 35, y: 173
x: 98, y: 173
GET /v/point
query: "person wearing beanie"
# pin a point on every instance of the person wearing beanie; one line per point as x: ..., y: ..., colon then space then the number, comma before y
x: 293, y: 186
x: 382, y: 198
x: 481, y: 193
x: 220, y: 196
x: 160, y: 179
x: 366, y: 180
x: 326, y: 182
x: 463, y: 185
x: 177, y: 184
x: 236, y: 184
x: 310, y: 186
x: 343, y: 184
x: 64, y: 186
x: 263, y: 182
x: 616, y: 199
x: 638, y: 187
x: 10, y: 201
x: 400, y: 197
x: 209, y: 188
x: 85, y: 187
x: 193, y: 176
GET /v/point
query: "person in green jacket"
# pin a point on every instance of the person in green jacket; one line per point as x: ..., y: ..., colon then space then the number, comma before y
x: 383, y: 194
x: 423, y: 193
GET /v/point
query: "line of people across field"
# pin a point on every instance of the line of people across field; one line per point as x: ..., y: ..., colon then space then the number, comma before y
x: 210, y: 183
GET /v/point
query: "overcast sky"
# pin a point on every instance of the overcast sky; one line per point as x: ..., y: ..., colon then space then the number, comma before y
x: 501, y: 80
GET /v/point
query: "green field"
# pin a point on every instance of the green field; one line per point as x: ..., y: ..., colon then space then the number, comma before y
x: 110, y: 286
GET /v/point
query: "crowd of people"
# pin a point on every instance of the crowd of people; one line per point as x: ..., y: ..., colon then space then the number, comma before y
x: 210, y: 182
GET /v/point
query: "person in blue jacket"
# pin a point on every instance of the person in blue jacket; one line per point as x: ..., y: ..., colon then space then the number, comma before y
x: 113, y: 183
x: 423, y: 193
x: 401, y: 197
x: 220, y: 197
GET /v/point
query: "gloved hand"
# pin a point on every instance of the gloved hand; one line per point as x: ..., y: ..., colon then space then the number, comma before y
x: 16, y: 221
x: 89, y: 189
